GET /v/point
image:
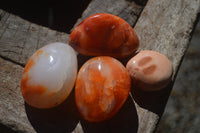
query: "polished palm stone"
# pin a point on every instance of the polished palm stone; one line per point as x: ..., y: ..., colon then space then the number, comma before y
x: 104, y: 34
x: 150, y: 70
x: 49, y: 75
x: 102, y: 87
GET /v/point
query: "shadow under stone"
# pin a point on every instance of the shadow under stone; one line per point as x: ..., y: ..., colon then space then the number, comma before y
x: 125, y: 121
x: 60, y: 119
x: 154, y: 101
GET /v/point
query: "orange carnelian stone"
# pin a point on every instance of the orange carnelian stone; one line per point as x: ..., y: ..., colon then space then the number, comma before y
x: 102, y: 87
x: 104, y: 34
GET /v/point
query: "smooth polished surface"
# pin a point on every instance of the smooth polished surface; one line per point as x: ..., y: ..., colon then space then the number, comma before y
x: 104, y: 34
x: 102, y: 87
x: 150, y: 70
x: 49, y: 75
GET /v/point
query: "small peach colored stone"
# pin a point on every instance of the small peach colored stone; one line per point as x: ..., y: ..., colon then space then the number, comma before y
x: 150, y: 70
x: 104, y: 34
x: 102, y: 87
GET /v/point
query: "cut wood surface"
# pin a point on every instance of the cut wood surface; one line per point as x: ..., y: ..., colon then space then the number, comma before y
x: 19, y: 39
x: 12, y: 111
x: 163, y: 26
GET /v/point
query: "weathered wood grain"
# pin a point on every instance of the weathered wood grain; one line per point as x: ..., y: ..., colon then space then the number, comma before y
x: 12, y: 111
x: 19, y: 39
x: 163, y: 26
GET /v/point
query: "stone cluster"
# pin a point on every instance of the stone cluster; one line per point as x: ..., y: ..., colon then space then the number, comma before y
x: 102, y: 84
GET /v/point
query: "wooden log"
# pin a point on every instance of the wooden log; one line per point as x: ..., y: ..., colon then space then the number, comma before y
x: 12, y: 111
x: 164, y: 26
x: 19, y: 39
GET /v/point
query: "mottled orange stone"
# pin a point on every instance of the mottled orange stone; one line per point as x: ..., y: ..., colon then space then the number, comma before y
x: 102, y: 87
x: 104, y: 34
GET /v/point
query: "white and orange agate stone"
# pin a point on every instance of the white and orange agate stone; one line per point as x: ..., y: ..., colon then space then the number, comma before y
x: 102, y: 87
x: 150, y: 70
x: 49, y: 75
x: 104, y: 34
